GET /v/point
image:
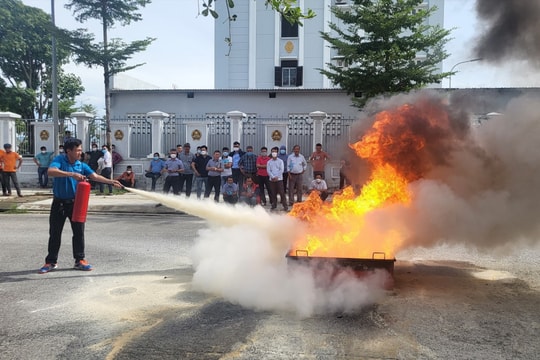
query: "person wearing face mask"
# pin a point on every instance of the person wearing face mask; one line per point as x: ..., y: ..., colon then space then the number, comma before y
x: 275, y: 169
x: 106, y: 172
x: 236, y: 172
x: 127, y: 178
x: 92, y: 158
x: 173, y: 168
x: 154, y: 170
x: 226, y: 159
x: 11, y: 162
x: 214, y: 168
x: 319, y: 185
x: 262, y: 175
x: 199, y: 168
x: 248, y: 164
x: 186, y: 177
x: 283, y: 156
x: 43, y: 160
x: 296, y: 163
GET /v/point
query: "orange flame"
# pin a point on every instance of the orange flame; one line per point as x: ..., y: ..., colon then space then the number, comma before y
x: 338, y: 228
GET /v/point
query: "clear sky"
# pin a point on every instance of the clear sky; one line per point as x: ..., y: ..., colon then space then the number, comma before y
x: 183, y: 54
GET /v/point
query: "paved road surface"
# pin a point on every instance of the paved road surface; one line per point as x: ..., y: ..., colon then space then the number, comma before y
x: 138, y: 303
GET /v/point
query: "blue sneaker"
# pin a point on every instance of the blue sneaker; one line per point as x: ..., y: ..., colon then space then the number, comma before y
x: 46, y: 268
x: 83, y: 265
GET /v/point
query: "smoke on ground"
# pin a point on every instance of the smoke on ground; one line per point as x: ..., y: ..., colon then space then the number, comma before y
x: 241, y: 257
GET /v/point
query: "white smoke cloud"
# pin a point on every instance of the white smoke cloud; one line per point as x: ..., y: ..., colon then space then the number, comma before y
x: 247, y: 265
x: 241, y: 257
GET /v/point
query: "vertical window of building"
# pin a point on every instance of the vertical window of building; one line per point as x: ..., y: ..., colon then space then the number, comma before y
x: 288, y: 30
x: 288, y: 74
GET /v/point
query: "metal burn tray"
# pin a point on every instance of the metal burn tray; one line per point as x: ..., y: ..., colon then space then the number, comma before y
x: 360, y: 266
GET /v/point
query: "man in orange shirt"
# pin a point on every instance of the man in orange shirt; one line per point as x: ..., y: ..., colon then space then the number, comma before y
x: 4, y: 189
x: 318, y: 161
x: 11, y: 161
x: 127, y: 178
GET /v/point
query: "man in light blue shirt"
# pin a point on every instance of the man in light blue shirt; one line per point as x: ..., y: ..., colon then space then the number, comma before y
x: 154, y: 170
x: 173, y: 167
x: 43, y: 160
x: 296, y: 163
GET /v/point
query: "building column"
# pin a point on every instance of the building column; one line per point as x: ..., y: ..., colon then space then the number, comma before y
x: 318, y: 126
x: 157, y: 119
x: 121, y: 137
x: 8, y: 129
x: 236, y: 119
x: 83, y: 120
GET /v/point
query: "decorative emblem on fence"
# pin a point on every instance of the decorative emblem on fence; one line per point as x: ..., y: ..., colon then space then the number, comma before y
x: 196, y: 135
x: 118, y: 135
x: 276, y: 135
x: 44, y: 135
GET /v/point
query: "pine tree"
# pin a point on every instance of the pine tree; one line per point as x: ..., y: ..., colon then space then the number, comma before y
x: 380, y: 42
x: 112, y: 54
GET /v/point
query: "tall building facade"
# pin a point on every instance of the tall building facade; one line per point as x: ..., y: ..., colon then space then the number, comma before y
x: 267, y: 52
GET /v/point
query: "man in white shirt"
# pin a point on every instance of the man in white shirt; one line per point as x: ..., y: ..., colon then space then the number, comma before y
x: 275, y: 168
x: 106, y: 172
x: 319, y: 185
x: 296, y: 163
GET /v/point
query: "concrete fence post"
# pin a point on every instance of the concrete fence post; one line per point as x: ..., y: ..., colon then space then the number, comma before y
x: 83, y: 121
x: 236, y: 119
x: 157, y: 119
x: 8, y: 129
x: 318, y: 127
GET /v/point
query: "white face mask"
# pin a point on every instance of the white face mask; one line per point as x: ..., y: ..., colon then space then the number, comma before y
x: 203, y: 152
x: 43, y: 151
x: 236, y: 149
x: 173, y: 156
x: 318, y: 180
x: 274, y: 154
x: 129, y: 171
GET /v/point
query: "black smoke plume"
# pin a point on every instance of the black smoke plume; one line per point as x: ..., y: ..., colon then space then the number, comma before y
x: 511, y: 31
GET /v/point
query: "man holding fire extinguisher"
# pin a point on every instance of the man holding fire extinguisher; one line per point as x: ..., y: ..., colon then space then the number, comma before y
x: 67, y: 170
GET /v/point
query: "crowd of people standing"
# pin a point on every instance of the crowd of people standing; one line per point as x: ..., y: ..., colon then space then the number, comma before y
x: 240, y: 176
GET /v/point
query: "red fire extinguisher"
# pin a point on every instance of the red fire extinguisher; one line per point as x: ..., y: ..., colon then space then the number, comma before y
x: 80, y: 206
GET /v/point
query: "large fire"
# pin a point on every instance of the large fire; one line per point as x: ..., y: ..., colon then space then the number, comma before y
x: 394, y: 152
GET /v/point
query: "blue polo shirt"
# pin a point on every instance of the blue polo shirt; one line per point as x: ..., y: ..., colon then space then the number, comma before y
x: 64, y: 187
x: 44, y: 159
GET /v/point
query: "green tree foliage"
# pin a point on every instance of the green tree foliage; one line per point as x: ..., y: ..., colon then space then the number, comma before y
x: 288, y: 8
x: 111, y: 55
x: 69, y: 86
x: 25, y: 60
x: 16, y: 99
x: 380, y: 41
